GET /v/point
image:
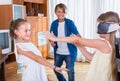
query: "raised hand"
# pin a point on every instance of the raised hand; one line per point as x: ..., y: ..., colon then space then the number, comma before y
x: 75, y: 38
x: 49, y: 35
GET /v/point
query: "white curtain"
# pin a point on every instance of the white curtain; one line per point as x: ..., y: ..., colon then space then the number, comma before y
x: 84, y: 14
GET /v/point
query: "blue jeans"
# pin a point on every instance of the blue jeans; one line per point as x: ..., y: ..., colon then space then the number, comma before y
x: 58, y: 61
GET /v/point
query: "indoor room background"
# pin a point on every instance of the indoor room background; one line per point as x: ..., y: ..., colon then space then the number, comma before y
x: 84, y: 13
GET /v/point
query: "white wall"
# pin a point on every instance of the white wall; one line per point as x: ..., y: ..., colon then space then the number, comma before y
x: 5, y: 1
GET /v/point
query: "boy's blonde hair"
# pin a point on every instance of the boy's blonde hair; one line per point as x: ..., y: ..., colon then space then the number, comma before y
x: 62, y: 6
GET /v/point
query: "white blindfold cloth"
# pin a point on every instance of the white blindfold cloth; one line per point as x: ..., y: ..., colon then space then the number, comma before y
x: 107, y: 27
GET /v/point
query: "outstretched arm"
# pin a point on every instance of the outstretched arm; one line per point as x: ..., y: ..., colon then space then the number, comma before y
x: 39, y: 59
x: 78, y: 41
x: 60, y: 39
x: 87, y: 54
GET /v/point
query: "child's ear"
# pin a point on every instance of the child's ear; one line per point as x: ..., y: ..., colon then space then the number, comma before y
x: 16, y: 32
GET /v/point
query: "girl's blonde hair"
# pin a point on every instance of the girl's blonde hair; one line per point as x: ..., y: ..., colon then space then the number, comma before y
x: 113, y: 57
x: 109, y: 17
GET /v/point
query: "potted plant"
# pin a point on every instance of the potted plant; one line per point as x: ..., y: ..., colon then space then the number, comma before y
x: 32, y: 12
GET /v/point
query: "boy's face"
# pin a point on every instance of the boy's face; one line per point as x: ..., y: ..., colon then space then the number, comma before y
x: 60, y: 14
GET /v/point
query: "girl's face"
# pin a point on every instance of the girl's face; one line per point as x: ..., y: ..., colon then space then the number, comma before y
x: 60, y: 14
x: 23, y: 32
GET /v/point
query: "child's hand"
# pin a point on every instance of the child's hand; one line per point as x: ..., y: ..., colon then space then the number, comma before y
x: 75, y: 37
x: 65, y: 69
x: 59, y: 70
x: 49, y: 35
x: 52, y: 43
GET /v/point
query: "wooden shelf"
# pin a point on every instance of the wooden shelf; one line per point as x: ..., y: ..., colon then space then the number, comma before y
x: 11, y: 58
x: 2, y: 66
x: 11, y: 68
x: 33, y: 9
x: 10, y: 64
x: 35, y: 1
x: 18, y: 2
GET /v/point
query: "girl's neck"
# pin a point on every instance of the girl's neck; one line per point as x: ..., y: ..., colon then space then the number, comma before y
x: 22, y: 41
